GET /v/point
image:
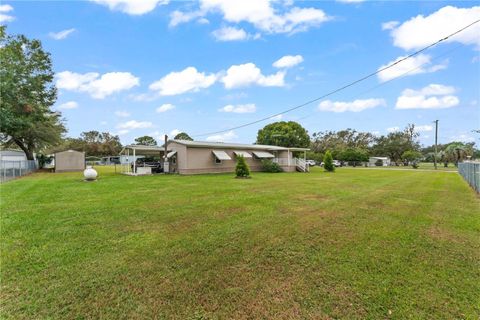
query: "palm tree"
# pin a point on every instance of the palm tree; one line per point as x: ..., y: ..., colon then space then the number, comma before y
x: 456, y: 152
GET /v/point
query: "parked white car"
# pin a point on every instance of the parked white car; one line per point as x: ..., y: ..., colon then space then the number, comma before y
x: 336, y: 163
x: 311, y: 163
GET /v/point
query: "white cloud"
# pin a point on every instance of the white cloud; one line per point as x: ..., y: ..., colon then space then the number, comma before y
x: 97, y: 86
x: 244, y: 75
x: 134, y: 124
x: 433, y: 96
x: 422, y: 30
x: 239, y: 108
x: 122, y: 132
x: 354, y: 106
x: 165, y: 107
x: 228, y: 136
x: 288, y: 61
x: 390, y: 25
x: 424, y: 128
x: 259, y: 13
x: 122, y: 114
x: 177, y: 17
x: 143, y: 97
x: 133, y: 7
x: 277, y: 117
x: 393, y: 129
x: 186, y: 80
x: 4, y: 8
x: 160, y: 136
x: 415, y: 65
x: 174, y: 132
x: 230, y: 34
x: 62, y: 34
x: 68, y: 105
x: 463, y: 137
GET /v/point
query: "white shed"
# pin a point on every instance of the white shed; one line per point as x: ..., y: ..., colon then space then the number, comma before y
x: 12, y: 155
x: 69, y: 160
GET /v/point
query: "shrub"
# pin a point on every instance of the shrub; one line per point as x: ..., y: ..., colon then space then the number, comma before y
x: 379, y: 163
x: 242, y: 170
x: 328, y: 162
x: 270, y: 166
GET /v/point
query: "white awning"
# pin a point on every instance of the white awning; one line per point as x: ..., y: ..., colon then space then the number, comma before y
x: 171, y: 154
x: 221, y: 155
x: 263, y: 154
x: 244, y: 154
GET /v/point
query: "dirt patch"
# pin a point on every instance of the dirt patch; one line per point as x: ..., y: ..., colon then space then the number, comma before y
x: 311, y: 197
x: 442, y: 234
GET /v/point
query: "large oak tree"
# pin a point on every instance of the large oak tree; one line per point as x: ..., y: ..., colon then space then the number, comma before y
x: 285, y: 134
x: 27, y: 94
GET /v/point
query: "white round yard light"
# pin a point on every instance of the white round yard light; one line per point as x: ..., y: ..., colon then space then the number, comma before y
x: 90, y: 174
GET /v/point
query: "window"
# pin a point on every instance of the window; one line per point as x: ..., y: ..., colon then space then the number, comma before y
x: 217, y: 161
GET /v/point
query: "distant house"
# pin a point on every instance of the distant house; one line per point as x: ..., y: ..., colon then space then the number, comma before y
x: 195, y: 157
x: 69, y: 160
x: 373, y: 160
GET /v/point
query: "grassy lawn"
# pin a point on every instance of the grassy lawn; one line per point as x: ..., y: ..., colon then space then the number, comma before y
x: 369, y: 244
x: 422, y: 166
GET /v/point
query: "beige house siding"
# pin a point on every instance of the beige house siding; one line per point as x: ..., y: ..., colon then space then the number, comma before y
x: 195, y: 160
x: 69, y: 160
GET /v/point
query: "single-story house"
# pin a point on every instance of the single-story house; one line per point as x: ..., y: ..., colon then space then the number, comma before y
x: 373, y: 160
x: 69, y: 160
x: 196, y: 157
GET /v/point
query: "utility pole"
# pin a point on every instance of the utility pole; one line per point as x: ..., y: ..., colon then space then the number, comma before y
x: 436, y: 140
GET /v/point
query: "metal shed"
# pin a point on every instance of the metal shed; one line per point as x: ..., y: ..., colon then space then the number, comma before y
x: 69, y: 160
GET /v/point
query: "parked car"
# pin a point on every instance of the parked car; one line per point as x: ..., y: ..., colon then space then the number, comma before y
x: 311, y: 163
x: 336, y: 163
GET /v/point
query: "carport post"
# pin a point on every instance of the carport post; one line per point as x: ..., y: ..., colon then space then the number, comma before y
x: 134, y: 162
x: 166, y: 165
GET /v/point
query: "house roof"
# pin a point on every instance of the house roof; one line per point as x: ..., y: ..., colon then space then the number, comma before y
x: 144, y: 150
x: 142, y: 147
x: 11, y: 152
x: 228, y: 145
x: 70, y: 151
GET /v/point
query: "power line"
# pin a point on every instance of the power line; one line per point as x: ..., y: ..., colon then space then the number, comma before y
x: 399, y: 76
x: 343, y: 87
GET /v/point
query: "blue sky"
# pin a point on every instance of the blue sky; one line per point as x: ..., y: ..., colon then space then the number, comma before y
x: 152, y: 67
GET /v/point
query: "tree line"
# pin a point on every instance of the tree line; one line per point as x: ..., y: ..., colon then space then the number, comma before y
x: 354, y: 147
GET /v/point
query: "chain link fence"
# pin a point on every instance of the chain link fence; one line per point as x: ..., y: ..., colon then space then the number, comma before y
x: 12, y: 169
x: 470, y: 171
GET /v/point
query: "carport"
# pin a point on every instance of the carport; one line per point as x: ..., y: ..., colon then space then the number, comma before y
x: 137, y: 166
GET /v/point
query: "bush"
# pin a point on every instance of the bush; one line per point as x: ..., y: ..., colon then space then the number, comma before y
x: 242, y: 170
x: 270, y: 166
x: 328, y: 162
x: 379, y: 163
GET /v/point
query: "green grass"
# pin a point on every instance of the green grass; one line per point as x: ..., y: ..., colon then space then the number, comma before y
x: 423, y: 166
x: 356, y: 244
